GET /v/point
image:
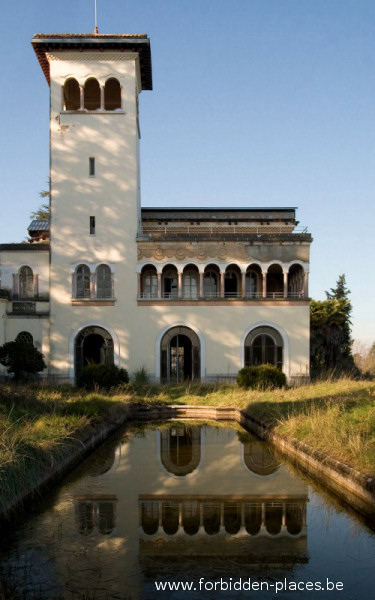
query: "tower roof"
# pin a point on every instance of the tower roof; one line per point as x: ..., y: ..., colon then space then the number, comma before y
x: 124, y: 42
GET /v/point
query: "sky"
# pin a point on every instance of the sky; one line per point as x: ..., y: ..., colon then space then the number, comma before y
x: 255, y: 103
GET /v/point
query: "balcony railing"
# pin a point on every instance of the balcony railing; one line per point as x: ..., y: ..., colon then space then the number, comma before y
x: 215, y: 295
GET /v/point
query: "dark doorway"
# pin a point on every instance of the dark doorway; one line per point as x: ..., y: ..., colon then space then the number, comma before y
x: 93, y: 345
x: 180, y: 355
x: 180, y: 358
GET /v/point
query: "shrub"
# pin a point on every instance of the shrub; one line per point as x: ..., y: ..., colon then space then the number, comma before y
x: 261, y: 377
x: 21, y: 358
x: 94, y: 376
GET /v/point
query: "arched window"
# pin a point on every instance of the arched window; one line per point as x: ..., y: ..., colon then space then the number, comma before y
x: 170, y: 283
x: 252, y: 282
x: 72, y: 97
x: 26, y: 283
x: 103, y: 282
x: 231, y: 283
x: 190, y: 284
x: 82, y: 287
x: 92, y: 94
x: 149, y: 283
x: 112, y: 94
x: 210, y: 284
x: 25, y: 337
x: 264, y: 345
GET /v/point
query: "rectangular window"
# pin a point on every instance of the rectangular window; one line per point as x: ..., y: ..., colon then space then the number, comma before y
x: 92, y: 225
x: 92, y: 166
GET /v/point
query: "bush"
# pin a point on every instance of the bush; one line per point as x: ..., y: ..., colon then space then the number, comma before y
x: 21, y: 358
x: 261, y: 377
x: 94, y: 376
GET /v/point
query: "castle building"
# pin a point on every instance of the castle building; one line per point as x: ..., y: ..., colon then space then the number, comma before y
x: 185, y: 293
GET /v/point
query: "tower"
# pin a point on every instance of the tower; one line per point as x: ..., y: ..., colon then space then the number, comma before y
x: 95, y: 81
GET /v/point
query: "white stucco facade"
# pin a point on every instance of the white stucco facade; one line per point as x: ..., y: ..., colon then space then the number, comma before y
x: 177, y: 291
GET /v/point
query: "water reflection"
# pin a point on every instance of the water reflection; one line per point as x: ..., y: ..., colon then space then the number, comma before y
x: 172, y: 503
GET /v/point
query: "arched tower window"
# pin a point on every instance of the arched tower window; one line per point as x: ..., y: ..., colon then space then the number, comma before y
x: 112, y: 94
x: 92, y: 94
x: 72, y: 98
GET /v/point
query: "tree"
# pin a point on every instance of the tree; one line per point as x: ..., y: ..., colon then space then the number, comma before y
x: 22, y: 359
x: 330, y: 329
x: 42, y: 214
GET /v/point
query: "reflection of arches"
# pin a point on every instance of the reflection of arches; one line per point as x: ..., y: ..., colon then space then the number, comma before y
x: 259, y: 459
x: 180, y: 355
x: 253, y: 517
x: 180, y: 450
x: 274, y: 517
x: 93, y: 345
x: 96, y: 514
x: 264, y: 345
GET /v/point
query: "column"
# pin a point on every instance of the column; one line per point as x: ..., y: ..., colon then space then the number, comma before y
x: 179, y: 284
x: 159, y: 285
x: 243, y: 294
x: 264, y: 274
x: 305, y: 289
x: 139, y: 285
x: 285, y: 284
x: 222, y: 284
x: 102, y: 97
x: 201, y: 283
x: 81, y: 97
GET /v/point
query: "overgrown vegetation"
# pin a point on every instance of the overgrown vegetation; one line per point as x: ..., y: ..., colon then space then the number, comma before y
x: 261, y: 377
x: 22, y: 359
x: 40, y: 426
x: 330, y: 333
x: 100, y: 376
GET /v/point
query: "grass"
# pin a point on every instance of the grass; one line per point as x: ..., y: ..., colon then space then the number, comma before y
x: 39, y: 425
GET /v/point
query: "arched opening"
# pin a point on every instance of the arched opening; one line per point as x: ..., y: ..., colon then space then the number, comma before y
x: 103, y: 282
x: 264, y: 345
x: 275, y: 282
x: 253, y: 282
x: 93, y: 345
x: 232, y: 282
x: 296, y: 281
x: 190, y: 282
x: 211, y: 280
x: 170, y: 282
x: 25, y: 337
x: 26, y: 283
x: 149, y: 282
x: 259, y: 459
x: 112, y: 94
x: 72, y: 96
x: 92, y: 94
x: 180, y: 450
x: 82, y: 282
x: 180, y: 355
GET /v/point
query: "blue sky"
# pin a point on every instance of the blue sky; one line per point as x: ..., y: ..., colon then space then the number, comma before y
x: 255, y: 103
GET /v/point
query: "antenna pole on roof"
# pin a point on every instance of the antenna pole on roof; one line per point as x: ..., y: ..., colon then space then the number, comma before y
x: 96, y: 20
